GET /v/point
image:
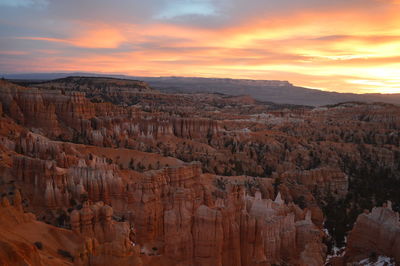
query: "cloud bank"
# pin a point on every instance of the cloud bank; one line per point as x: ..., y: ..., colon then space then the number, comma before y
x: 351, y: 45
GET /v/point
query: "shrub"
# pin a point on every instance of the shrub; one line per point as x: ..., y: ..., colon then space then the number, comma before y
x: 65, y: 254
x: 373, y: 257
x: 220, y: 183
x: 39, y: 245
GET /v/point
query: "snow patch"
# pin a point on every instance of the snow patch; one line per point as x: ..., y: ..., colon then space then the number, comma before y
x: 382, y: 261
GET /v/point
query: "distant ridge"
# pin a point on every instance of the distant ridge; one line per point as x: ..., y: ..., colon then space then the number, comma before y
x: 262, y: 90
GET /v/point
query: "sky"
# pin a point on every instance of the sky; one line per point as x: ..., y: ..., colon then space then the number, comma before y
x: 341, y: 45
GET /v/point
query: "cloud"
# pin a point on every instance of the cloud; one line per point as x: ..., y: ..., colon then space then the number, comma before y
x: 183, y: 8
x: 100, y: 36
x: 309, y: 42
x: 24, y: 3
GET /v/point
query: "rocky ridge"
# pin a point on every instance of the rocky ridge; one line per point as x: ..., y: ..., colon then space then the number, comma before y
x: 262, y: 187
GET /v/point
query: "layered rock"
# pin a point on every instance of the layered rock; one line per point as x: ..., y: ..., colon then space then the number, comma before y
x: 27, y: 241
x: 322, y: 181
x: 375, y: 232
x: 180, y: 215
x: 231, y: 229
x: 99, y: 124
x: 94, y: 221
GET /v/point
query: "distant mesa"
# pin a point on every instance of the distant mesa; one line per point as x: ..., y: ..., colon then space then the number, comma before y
x: 276, y: 91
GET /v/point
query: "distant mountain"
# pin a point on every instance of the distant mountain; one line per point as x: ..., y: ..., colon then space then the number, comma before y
x: 262, y: 90
x: 51, y: 76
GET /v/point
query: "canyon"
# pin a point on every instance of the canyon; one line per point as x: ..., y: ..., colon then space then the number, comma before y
x: 102, y: 170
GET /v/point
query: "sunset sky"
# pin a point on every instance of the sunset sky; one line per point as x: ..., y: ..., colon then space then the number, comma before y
x: 341, y: 45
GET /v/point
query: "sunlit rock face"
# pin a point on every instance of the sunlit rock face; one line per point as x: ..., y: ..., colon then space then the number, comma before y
x: 174, y: 179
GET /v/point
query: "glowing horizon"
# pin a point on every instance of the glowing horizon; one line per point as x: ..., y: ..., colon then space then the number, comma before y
x: 343, y: 46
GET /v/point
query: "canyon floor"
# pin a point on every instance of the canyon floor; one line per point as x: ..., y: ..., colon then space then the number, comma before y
x: 100, y: 171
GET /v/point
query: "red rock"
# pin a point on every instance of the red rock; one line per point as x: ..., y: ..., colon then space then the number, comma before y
x: 175, y: 214
x: 376, y: 232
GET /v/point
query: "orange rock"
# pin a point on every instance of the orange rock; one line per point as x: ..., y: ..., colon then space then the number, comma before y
x: 376, y: 232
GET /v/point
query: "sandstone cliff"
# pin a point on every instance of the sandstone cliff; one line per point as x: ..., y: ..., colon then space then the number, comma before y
x: 376, y: 232
x: 121, y: 179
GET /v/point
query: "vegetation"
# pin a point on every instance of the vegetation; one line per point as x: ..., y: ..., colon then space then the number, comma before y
x: 369, y: 186
x: 39, y: 245
x: 220, y: 183
x: 65, y: 254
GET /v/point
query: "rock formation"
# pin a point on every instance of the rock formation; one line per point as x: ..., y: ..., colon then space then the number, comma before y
x: 375, y: 232
x: 124, y: 174
x: 24, y: 240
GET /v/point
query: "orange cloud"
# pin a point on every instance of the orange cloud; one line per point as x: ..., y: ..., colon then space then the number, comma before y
x: 102, y: 36
x: 13, y: 52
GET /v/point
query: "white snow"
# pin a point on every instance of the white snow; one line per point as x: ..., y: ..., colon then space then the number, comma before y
x: 382, y: 261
